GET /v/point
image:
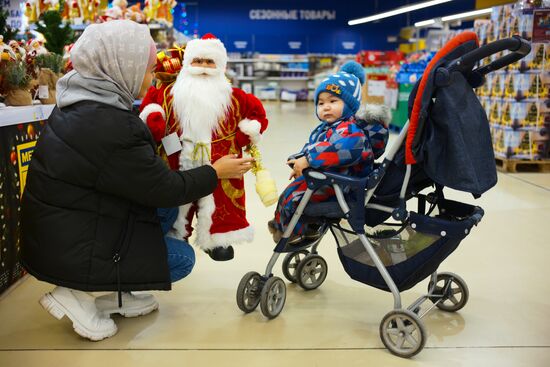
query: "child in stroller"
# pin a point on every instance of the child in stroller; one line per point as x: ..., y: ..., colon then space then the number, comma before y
x: 347, y: 141
x: 445, y: 143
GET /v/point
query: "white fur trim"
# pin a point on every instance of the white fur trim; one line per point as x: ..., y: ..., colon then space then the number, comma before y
x: 181, y: 222
x: 226, y: 239
x: 374, y: 113
x: 206, y: 207
x: 149, y: 109
x: 206, y: 49
x: 252, y: 129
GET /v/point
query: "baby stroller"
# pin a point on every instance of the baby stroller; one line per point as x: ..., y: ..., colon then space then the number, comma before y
x: 381, y: 243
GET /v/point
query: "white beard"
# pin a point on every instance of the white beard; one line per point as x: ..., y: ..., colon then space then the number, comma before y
x: 200, y: 101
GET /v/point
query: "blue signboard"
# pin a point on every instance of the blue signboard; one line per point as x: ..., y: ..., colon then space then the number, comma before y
x: 239, y: 42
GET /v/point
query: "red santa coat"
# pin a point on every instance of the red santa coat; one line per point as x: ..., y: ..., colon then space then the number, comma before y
x: 221, y: 217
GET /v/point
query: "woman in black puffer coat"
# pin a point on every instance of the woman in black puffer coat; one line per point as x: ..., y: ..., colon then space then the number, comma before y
x: 89, y: 210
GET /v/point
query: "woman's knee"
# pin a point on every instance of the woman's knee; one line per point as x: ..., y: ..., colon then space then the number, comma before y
x: 181, y: 260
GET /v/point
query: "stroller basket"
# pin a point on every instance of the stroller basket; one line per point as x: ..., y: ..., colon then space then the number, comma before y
x: 415, y: 252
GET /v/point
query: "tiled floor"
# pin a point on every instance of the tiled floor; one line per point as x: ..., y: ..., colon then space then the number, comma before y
x: 505, y: 323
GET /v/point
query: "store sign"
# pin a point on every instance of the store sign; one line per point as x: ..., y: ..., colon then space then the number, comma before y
x: 24, y: 154
x: 15, y: 13
x: 291, y: 14
x: 295, y: 45
x: 348, y: 45
x: 240, y: 45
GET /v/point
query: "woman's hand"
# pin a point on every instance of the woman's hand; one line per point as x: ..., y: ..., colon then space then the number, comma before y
x: 230, y: 166
x: 299, y: 165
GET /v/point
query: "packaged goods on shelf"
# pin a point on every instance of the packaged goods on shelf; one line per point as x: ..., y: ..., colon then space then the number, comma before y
x: 523, y: 114
x: 269, y: 74
x: 528, y: 143
x: 496, y: 110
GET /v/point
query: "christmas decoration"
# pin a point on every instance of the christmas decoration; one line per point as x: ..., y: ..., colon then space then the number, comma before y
x: 35, y: 8
x: 16, y: 83
x: 51, y: 61
x: 211, y: 120
x: 83, y: 11
x: 160, y: 11
x: 6, y: 52
x: 56, y: 33
x: 18, y: 49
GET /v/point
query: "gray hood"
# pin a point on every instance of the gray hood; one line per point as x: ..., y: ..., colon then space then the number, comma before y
x: 110, y: 61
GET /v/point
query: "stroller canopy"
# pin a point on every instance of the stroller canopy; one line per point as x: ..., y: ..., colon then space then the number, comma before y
x: 449, y: 133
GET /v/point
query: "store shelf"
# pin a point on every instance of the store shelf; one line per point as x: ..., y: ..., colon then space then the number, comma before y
x: 16, y: 115
x: 274, y: 75
x: 287, y: 78
x: 244, y: 60
x: 267, y: 60
x: 295, y: 70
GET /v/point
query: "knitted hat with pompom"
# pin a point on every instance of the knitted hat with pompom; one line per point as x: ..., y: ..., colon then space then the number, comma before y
x: 346, y: 85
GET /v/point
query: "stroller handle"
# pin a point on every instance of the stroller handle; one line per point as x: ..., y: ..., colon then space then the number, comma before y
x: 517, y: 45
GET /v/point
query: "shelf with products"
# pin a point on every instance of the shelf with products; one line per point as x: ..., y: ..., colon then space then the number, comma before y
x: 516, y: 98
x: 271, y: 77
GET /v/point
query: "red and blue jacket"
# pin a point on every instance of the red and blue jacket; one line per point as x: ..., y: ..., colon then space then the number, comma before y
x: 346, y: 147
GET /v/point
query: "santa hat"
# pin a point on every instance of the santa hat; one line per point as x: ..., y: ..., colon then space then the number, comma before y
x: 207, y: 47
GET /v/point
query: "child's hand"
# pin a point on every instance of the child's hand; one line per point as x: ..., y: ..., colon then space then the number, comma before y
x: 298, y: 166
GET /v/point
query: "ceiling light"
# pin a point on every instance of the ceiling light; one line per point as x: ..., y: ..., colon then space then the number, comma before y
x: 424, y: 23
x: 466, y: 15
x: 448, y: 18
x: 391, y: 13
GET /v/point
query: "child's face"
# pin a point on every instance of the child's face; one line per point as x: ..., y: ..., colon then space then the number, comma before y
x: 329, y: 107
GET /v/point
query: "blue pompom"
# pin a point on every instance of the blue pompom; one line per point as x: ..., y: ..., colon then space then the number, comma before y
x: 352, y: 67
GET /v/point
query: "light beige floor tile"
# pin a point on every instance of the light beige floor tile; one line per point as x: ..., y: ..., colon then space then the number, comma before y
x: 504, y: 261
x: 276, y: 358
x: 542, y: 180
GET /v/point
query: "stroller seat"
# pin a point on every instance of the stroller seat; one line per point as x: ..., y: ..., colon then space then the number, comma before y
x: 329, y: 210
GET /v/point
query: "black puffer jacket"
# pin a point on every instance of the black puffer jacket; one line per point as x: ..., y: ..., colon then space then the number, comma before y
x: 89, y: 208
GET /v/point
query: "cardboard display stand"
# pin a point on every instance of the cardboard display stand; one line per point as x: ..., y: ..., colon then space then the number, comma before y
x: 20, y: 127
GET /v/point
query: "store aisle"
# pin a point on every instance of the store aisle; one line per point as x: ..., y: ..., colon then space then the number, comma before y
x: 504, y: 262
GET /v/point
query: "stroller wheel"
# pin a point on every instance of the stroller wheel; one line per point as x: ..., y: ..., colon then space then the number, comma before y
x: 311, y: 272
x: 249, y: 291
x: 403, y: 333
x: 273, y: 297
x: 290, y: 264
x: 450, y: 292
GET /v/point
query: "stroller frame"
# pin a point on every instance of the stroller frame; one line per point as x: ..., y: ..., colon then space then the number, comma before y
x: 401, y: 330
x: 273, y: 290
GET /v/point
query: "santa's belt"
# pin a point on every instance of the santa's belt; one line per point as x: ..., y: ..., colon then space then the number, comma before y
x: 200, y: 151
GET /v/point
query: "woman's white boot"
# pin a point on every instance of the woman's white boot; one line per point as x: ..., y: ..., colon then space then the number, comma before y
x: 132, y: 304
x: 80, y: 308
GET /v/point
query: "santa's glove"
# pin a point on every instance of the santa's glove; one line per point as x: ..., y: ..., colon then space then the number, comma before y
x: 155, y: 118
